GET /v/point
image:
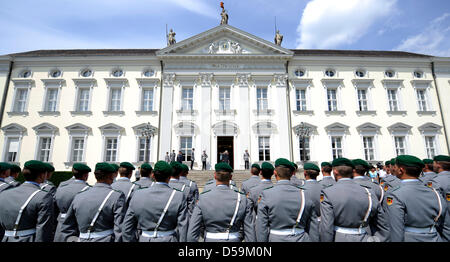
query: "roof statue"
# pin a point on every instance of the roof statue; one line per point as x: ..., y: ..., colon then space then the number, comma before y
x: 171, y: 37
x: 224, y: 15
x: 278, y: 38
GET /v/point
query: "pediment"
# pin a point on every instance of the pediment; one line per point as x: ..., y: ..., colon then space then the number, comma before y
x: 224, y: 40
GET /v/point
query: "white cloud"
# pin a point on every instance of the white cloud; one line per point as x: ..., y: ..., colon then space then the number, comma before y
x: 433, y: 40
x: 331, y: 23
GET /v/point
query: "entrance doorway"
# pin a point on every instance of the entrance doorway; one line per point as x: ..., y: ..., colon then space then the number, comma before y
x: 225, y: 143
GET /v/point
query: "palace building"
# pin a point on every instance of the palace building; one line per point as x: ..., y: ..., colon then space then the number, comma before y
x: 223, y: 89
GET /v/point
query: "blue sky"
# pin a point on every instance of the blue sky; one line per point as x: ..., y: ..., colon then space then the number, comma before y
x: 421, y: 26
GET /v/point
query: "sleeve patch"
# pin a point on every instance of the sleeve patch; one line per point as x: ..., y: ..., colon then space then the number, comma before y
x: 386, y: 187
x: 448, y: 196
x: 321, y: 198
x: 389, y: 201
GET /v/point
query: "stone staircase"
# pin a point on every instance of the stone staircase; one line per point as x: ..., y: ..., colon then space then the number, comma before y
x: 239, y: 176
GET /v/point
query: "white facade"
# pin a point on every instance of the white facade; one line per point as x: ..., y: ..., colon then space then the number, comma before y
x: 222, y: 89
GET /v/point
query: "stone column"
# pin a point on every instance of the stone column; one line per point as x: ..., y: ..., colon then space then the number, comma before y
x: 242, y: 140
x: 281, y: 118
x: 166, y: 116
x: 205, y: 81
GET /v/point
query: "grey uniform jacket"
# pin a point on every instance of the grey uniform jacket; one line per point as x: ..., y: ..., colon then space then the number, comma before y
x: 313, y: 190
x: 327, y: 181
x: 4, y: 185
x: 427, y: 176
x: 297, y: 181
x: 345, y: 205
x: 125, y: 186
x: 250, y: 183
x: 188, y: 196
x: 211, y: 184
x: 365, y: 181
x: 10, y: 180
x: 144, y: 182
x: 279, y: 209
x: 214, y: 212
x: 63, y: 183
x: 64, y: 197
x: 84, y: 207
x: 193, y: 189
x: 37, y: 214
x: 255, y: 193
x: 413, y: 204
x: 442, y: 183
x: 49, y: 187
x: 146, y: 208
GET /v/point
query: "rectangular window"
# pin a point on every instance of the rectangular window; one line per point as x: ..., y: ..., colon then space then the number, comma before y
x: 13, y: 149
x: 369, y: 151
x: 261, y: 99
x: 187, y: 99
x: 400, y: 147
x: 393, y: 100
x: 111, y: 150
x: 264, y: 148
x: 305, y: 152
x: 51, y: 100
x: 45, y: 144
x: 224, y: 98
x: 336, y: 146
x: 186, y: 147
x: 142, y: 149
x: 332, y: 99
x: 21, y: 100
x: 300, y: 97
x: 362, y: 99
x: 430, y: 142
x: 421, y: 98
x: 83, y: 100
x: 77, y: 149
x: 114, y: 103
x: 147, y: 100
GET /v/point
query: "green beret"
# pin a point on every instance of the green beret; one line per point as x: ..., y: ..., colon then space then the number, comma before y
x: 407, y: 160
x: 311, y: 166
x: 163, y: 167
x: 267, y: 166
x: 49, y: 167
x: 427, y: 161
x: 360, y: 162
x: 176, y: 165
x: 342, y: 162
x: 222, y: 166
x: 442, y: 158
x: 387, y: 163
x: 393, y: 161
x: 15, y: 168
x: 255, y: 165
x: 81, y: 167
x: 284, y: 162
x: 4, y: 166
x: 146, y: 166
x: 115, y: 166
x: 35, y: 165
x: 105, y: 167
x: 127, y: 165
x: 184, y: 167
x: 325, y: 164
x: 295, y: 165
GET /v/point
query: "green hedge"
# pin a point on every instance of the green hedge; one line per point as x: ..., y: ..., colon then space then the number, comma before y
x: 57, y: 177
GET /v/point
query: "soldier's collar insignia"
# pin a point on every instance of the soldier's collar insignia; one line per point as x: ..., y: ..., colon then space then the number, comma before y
x: 430, y: 184
x: 389, y: 201
x: 386, y: 187
x: 321, y: 197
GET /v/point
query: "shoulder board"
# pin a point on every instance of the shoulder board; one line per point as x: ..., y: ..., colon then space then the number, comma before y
x: 45, y: 190
x: 177, y: 189
x: 141, y: 187
x: 118, y: 191
x: 368, y: 187
x: 326, y: 186
x: 268, y: 188
x: 205, y: 191
x: 237, y: 191
x: 63, y: 185
x: 138, y: 185
x: 395, y: 188
x: 209, y: 182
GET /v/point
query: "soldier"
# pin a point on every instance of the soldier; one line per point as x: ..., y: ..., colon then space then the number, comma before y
x: 160, y: 211
x: 167, y: 157
x: 191, y: 184
x: 66, y: 193
x: 4, y: 173
x: 359, y: 177
x: 146, y: 171
x: 48, y: 185
x: 14, y: 173
x: 327, y: 179
x: 294, y: 179
x: 123, y: 183
x: 427, y: 172
x: 348, y: 208
x: 284, y: 211
x: 312, y: 191
x: 222, y: 222
x: 29, y: 217
x: 252, y: 181
x: 116, y: 170
x: 441, y: 165
x: 390, y: 180
x: 210, y: 184
x: 172, y: 156
x: 266, y: 182
x: 96, y: 213
x: 175, y: 183
x: 415, y: 210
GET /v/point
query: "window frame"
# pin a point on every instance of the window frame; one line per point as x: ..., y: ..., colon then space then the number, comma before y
x: 300, y: 107
x: 185, y: 150
x: 116, y: 150
x: 225, y: 100
x: 266, y: 146
x: 307, y: 147
x: 185, y: 100
x: 373, y: 149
